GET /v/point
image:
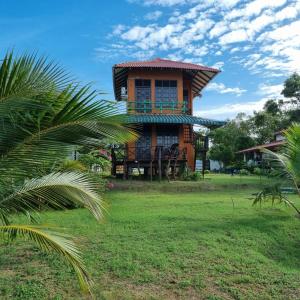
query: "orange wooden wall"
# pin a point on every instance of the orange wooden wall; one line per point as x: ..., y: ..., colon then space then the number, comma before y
x: 181, y: 84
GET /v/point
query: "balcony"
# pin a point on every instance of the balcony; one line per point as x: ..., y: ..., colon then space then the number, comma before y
x: 148, y: 107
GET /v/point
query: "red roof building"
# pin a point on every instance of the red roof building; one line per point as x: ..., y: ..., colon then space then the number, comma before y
x: 159, y: 97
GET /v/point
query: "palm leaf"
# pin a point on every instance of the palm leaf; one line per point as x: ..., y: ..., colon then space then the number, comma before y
x: 50, y: 241
x: 55, y: 190
x: 30, y: 76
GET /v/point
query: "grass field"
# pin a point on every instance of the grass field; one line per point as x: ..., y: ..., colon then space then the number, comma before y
x: 178, y: 240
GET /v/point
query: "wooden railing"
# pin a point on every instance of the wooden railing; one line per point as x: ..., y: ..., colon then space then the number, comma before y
x: 174, y: 107
x: 149, y: 153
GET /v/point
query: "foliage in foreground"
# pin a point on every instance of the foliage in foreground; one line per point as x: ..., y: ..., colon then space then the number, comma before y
x: 44, y: 116
x: 287, y: 163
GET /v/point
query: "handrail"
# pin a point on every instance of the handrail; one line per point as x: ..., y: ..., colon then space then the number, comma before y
x: 149, y: 153
x: 148, y: 106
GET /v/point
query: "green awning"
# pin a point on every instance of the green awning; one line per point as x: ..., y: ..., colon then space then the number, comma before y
x: 173, y: 119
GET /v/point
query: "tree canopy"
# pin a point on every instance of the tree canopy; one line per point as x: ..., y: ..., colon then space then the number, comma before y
x: 246, y: 131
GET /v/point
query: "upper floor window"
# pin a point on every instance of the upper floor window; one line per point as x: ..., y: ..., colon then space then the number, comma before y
x: 166, y: 94
x: 143, y: 95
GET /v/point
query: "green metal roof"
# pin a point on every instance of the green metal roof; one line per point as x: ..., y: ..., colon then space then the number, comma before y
x: 173, y: 119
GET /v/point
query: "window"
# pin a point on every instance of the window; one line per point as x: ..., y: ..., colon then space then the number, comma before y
x: 143, y: 95
x: 167, y: 136
x: 143, y: 145
x: 166, y: 94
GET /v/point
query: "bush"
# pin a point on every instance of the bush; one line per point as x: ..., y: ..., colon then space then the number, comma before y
x: 206, y: 172
x: 244, y: 172
x: 196, y: 176
x: 193, y: 176
x: 257, y: 171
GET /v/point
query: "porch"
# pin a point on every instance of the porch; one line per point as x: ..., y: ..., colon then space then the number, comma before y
x: 149, y: 162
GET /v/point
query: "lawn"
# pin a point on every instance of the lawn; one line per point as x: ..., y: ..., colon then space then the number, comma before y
x: 178, y: 240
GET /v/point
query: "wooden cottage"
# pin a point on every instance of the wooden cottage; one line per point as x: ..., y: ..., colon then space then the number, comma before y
x: 159, y: 97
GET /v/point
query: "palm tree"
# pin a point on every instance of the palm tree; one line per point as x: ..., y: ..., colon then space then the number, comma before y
x: 287, y: 164
x: 43, y: 116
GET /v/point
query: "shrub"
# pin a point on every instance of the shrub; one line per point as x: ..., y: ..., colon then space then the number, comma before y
x: 257, y: 171
x: 193, y: 176
x: 196, y: 176
x: 244, y: 172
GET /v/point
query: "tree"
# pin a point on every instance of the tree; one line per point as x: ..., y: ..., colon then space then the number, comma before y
x: 264, y: 125
x: 288, y: 165
x: 292, y: 88
x: 229, y: 139
x: 43, y: 116
x: 272, y: 107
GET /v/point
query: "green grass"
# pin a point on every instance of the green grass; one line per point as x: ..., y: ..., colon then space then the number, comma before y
x: 183, y: 240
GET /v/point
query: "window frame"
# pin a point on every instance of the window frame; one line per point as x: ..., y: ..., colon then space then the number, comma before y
x: 166, y: 93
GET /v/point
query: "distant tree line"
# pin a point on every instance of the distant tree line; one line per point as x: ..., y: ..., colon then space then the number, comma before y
x: 246, y: 131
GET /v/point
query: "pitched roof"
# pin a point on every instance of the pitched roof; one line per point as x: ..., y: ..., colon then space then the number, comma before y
x: 165, y: 63
x: 198, y: 74
x: 266, y: 146
x: 173, y: 119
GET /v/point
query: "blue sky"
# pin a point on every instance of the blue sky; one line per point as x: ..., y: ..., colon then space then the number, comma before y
x: 254, y: 43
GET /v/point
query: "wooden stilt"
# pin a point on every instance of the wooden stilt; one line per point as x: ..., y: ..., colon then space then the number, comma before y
x: 151, y: 170
x: 159, y: 163
x: 124, y: 170
x: 174, y: 169
x: 139, y: 170
x: 167, y: 169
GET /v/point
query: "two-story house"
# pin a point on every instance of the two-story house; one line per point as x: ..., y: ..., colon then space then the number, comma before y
x: 159, y: 95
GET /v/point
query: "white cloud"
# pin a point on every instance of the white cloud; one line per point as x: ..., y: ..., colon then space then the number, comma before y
x: 219, y: 28
x: 137, y: 33
x: 235, y: 49
x: 218, y: 65
x: 283, y: 33
x: 272, y: 91
x: 162, y: 2
x: 234, y: 37
x: 153, y: 16
x: 118, y: 29
x: 230, y: 110
x: 222, y: 89
x: 254, y: 8
x: 260, y: 33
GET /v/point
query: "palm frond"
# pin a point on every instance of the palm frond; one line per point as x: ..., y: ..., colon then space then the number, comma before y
x: 69, y: 165
x: 274, y: 195
x: 50, y: 241
x: 29, y: 76
x: 81, y: 121
x: 56, y: 190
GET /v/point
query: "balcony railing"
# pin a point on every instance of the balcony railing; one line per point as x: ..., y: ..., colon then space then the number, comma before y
x: 157, y: 107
